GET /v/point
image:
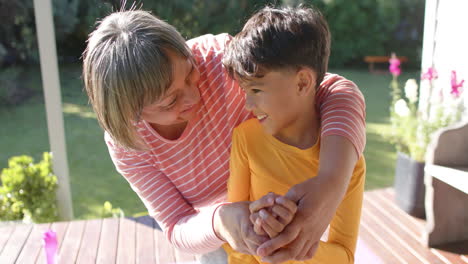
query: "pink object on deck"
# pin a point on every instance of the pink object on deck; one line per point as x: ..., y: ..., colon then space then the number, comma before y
x: 50, y: 246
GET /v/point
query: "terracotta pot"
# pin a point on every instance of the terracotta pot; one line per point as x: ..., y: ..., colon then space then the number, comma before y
x: 409, y: 185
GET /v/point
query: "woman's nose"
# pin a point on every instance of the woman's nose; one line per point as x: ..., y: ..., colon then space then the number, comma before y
x: 191, y: 95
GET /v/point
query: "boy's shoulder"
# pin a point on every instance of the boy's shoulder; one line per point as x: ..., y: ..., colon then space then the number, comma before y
x: 249, y: 128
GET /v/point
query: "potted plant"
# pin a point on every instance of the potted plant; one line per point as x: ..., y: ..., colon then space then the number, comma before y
x: 413, y: 122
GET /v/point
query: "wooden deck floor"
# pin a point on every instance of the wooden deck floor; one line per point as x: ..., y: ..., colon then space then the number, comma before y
x: 387, y: 235
x: 395, y: 236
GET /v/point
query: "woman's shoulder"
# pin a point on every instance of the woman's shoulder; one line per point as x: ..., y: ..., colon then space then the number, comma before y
x: 334, y: 82
x: 209, y: 43
x: 336, y: 85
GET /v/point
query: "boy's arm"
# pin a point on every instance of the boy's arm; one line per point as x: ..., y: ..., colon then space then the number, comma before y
x: 317, y: 198
x: 239, y: 177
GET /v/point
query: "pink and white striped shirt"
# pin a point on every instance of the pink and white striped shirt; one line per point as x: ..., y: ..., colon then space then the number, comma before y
x: 183, y: 181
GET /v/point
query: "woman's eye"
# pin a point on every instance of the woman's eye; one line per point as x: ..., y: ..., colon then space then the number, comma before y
x: 189, y: 75
x: 171, y: 105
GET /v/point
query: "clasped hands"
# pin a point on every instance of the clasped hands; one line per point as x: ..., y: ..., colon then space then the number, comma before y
x: 271, y: 216
x: 276, y: 228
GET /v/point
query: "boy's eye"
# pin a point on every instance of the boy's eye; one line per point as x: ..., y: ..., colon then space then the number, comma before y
x: 256, y: 91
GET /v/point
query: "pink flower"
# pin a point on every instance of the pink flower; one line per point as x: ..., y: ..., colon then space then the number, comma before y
x: 394, y: 65
x: 456, y: 87
x: 49, y: 239
x: 430, y: 75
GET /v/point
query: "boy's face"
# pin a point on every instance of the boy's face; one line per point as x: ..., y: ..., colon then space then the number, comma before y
x: 182, y: 98
x: 274, y: 100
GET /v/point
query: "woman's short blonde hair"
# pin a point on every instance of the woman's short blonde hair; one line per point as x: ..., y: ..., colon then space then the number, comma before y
x: 125, y: 67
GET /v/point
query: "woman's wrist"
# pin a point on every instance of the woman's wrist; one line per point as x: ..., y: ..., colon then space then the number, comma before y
x: 217, y: 221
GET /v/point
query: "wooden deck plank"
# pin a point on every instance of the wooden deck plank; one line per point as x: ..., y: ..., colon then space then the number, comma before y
x: 108, y: 243
x: 145, y: 252
x: 126, y: 244
x: 60, y: 229
x: 374, y: 243
x: 397, y: 230
x: 90, y: 242
x: 414, y: 227
x: 448, y: 257
x: 164, y: 250
x: 15, y: 244
x: 71, y: 243
x: 393, y: 243
x: 386, y: 232
x: 387, y: 197
x: 34, y: 244
x: 5, y: 234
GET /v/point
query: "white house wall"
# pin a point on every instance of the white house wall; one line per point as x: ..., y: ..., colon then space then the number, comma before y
x: 445, y: 44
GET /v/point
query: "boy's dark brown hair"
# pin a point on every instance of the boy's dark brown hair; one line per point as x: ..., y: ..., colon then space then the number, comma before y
x: 280, y: 38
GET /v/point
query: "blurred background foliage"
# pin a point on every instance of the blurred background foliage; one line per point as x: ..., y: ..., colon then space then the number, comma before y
x: 359, y: 28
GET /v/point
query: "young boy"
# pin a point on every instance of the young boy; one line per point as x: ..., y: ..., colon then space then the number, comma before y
x: 279, y: 59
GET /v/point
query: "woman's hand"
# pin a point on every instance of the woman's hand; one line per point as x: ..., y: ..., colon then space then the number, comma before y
x: 232, y: 224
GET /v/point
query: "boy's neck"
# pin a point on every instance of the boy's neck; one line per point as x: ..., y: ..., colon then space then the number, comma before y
x: 304, y: 132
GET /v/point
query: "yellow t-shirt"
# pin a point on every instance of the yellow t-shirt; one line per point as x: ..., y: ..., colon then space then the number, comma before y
x: 261, y: 164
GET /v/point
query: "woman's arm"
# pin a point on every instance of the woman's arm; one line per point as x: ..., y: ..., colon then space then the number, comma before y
x: 186, y: 228
x: 232, y: 221
x: 344, y: 228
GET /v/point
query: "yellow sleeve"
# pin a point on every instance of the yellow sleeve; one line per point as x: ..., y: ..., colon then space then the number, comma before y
x: 239, y: 179
x: 238, y: 188
x: 344, y: 227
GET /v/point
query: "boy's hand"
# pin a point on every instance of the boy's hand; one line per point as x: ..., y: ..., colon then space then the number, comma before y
x: 271, y: 214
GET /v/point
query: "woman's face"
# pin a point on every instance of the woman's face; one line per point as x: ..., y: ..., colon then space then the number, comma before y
x: 181, y: 101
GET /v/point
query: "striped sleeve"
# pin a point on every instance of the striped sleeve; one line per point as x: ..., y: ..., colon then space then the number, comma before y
x: 185, y: 227
x: 343, y: 110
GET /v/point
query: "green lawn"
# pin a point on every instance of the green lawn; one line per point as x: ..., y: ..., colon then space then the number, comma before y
x: 94, y: 180
x: 380, y: 154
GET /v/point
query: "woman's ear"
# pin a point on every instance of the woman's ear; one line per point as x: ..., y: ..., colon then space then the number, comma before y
x: 306, y: 79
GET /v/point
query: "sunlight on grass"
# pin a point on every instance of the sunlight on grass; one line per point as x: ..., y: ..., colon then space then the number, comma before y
x: 383, y: 129
x: 79, y: 110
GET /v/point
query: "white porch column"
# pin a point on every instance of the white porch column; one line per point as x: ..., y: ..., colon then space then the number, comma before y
x: 51, y: 86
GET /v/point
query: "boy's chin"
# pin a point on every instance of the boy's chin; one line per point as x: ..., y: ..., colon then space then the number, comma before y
x: 269, y: 130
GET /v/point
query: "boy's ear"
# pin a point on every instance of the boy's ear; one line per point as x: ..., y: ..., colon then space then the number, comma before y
x: 306, y: 79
